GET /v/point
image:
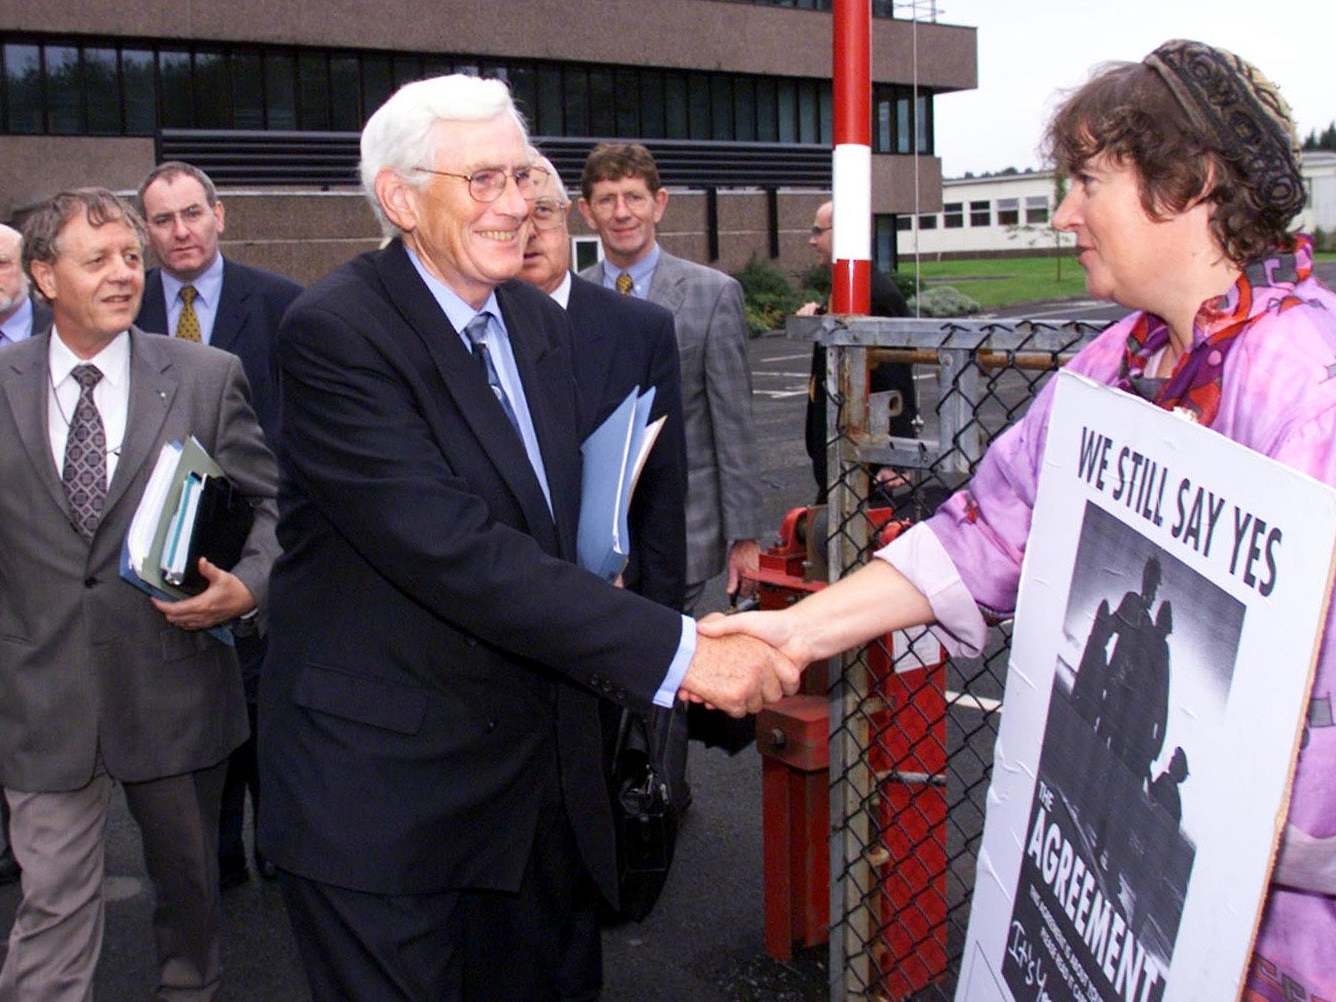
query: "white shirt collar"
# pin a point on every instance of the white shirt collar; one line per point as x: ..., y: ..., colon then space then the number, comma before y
x: 562, y: 293
x: 113, y: 361
x: 208, y: 286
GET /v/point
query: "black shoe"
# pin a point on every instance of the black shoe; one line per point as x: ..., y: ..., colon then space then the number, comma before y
x: 9, y: 867
x: 266, y: 869
x: 232, y: 873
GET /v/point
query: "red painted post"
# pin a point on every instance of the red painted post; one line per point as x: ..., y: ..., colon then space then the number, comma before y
x: 851, y: 161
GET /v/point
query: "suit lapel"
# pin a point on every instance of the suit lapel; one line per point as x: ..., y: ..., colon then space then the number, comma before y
x: 545, y: 380
x: 478, y: 407
x: 27, y: 393
x: 232, y: 315
x: 666, y: 287
x: 592, y: 336
x: 152, y: 389
x: 153, y: 313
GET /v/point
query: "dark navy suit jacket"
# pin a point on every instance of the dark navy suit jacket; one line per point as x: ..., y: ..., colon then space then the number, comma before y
x: 250, y: 307
x: 622, y: 342
x: 435, y: 656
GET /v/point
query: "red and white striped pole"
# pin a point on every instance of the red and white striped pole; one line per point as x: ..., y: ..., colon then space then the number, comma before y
x: 851, y: 162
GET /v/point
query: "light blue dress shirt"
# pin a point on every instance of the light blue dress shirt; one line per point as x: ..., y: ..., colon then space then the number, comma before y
x: 208, y: 288
x: 19, y: 326
x: 459, y: 313
x: 642, y: 273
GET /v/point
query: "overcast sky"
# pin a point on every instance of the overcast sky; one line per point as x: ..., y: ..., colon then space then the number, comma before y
x: 1029, y: 49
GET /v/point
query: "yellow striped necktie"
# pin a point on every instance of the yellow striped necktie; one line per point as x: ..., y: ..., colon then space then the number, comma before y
x: 187, y: 324
x: 625, y: 283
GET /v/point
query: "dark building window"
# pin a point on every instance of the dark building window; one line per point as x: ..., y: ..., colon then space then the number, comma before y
x: 767, y: 111
x: 953, y: 215
x: 626, y: 100
x: 884, y: 228
x: 674, y: 106
x: 280, y: 91
x: 313, y: 91
x: 23, y: 88
x: 345, y: 109
x: 63, y: 87
x: 744, y: 109
x: 102, y: 91
x: 178, y: 102
x: 64, y: 90
x: 575, y: 94
x: 1008, y: 211
x: 652, y: 106
x: 213, y: 109
x: 721, y: 107
x: 894, y: 121
x: 928, y: 221
x: 140, y: 89
x: 549, y: 101
x: 981, y: 213
x: 602, y: 109
x: 377, y: 83
x: 698, y: 105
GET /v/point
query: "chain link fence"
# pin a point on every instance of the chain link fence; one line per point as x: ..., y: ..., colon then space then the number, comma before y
x: 912, y: 731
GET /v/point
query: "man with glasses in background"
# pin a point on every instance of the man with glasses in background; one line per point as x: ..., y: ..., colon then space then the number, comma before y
x: 430, y: 744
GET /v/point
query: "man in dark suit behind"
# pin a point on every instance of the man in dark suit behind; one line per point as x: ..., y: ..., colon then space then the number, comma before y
x: 621, y: 343
x: 199, y: 295
x: 886, y: 301
x: 100, y: 685
x: 429, y: 737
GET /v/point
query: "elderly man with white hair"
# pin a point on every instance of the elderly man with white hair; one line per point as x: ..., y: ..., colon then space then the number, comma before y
x: 430, y: 741
x: 22, y: 315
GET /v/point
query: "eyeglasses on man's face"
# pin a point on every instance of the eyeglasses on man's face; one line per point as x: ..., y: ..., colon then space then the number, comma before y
x: 487, y: 183
x: 636, y: 202
x: 547, y: 214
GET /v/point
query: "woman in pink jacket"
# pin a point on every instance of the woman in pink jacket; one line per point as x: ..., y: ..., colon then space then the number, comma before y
x: 1185, y: 180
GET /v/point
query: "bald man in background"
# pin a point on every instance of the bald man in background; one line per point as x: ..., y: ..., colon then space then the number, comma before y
x: 22, y: 314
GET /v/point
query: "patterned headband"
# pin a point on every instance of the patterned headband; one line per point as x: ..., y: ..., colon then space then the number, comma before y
x: 1230, y: 101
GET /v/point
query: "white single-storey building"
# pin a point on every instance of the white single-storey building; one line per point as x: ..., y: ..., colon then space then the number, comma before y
x: 1011, y: 214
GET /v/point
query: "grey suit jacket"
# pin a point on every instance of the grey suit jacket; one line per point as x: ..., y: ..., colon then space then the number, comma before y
x: 723, y: 496
x: 86, y: 662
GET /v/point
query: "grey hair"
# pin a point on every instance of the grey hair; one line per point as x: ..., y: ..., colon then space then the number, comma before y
x: 9, y: 231
x: 42, y: 228
x: 178, y: 168
x: 401, y: 136
x: 555, y: 185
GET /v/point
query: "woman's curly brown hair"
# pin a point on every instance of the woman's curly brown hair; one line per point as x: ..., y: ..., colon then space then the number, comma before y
x: 1127, y: 112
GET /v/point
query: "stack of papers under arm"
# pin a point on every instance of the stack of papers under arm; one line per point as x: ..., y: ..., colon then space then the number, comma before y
x: 158, y: 511
x: 614, y: 454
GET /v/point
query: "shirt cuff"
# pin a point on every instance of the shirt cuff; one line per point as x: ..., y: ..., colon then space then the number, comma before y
x: 677, y: 668
x: 919, y: 555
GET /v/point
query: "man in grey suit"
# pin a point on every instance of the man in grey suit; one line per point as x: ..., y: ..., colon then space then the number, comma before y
x: 21, y: 313
x: 99, y: 684
x: 623, y: 200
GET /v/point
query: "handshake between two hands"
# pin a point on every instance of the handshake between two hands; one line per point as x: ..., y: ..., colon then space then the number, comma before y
x: 744, y: 662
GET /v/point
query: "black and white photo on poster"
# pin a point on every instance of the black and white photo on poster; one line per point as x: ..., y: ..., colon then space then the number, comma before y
x: 1142, y: 671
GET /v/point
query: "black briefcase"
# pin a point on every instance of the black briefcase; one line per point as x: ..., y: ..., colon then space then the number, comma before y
x: 643, y: 810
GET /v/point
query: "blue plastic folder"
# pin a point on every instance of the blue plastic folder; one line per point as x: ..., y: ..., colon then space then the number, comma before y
x: 613, y: 455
